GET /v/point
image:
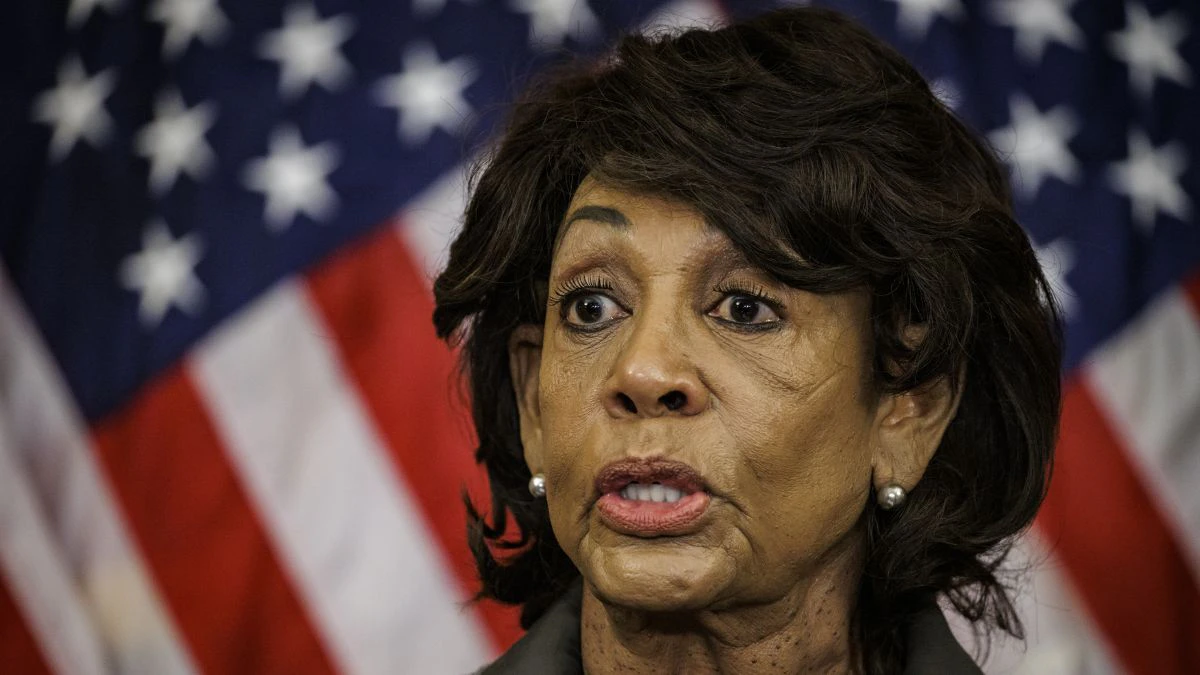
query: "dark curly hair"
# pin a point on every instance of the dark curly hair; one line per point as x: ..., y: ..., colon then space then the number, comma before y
x: 797, y: 132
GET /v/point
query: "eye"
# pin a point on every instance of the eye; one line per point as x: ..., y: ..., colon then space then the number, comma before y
x: 744, y: 309
x: 591, y: 309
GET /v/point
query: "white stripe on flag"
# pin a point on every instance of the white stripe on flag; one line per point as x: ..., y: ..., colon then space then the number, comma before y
x: 429, y: 222
x: 41, y: 584
x: 49, y: 439
x: 1147, y: 381
x: 346, y: 527
x: 1060, y: 637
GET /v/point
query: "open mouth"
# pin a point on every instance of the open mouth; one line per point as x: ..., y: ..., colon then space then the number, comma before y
x: 654, y: 492
x: 651, y: 497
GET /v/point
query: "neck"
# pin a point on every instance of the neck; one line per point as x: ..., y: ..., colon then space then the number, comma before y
x: 807, y: 630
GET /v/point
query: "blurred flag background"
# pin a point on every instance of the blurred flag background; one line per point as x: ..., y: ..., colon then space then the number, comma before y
x: 229, y: 442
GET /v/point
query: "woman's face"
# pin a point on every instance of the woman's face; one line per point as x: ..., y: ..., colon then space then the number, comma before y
x: 666, y: 358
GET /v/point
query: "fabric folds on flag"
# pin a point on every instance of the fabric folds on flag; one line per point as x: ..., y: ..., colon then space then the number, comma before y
x: 230, y: 443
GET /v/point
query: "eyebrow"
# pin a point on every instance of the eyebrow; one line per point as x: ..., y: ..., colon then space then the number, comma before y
x: 600, y: 214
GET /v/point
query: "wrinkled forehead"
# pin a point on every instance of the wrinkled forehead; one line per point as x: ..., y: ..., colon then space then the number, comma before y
x: 599, y: 209
x: 601, y: 215
x: 613, y: 205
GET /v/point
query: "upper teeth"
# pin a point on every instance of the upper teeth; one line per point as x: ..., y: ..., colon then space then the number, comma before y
x: 651, y: 493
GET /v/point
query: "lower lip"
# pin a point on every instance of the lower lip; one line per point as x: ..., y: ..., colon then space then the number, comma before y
x: 652, y: 519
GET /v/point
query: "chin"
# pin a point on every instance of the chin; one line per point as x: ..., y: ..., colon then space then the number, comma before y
x: 659, y: 575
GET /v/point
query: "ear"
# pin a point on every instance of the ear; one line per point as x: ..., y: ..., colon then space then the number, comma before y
x: 524, y: 363
x: 909, y: 427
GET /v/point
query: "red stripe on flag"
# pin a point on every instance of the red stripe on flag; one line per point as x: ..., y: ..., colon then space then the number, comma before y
x: 201, y: 537
x: 1101, y: 522
x: 19, y: 651
x: 1191, y: 288
x: 379, y: 309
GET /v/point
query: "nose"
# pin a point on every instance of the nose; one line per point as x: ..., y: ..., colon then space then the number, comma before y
x: 653, y: 377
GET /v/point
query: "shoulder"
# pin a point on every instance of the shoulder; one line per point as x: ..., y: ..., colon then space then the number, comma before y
x: 552, y: 644
x: 933, y: 649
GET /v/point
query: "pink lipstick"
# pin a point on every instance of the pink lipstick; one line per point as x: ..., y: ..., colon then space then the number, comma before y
x: 651, y: 497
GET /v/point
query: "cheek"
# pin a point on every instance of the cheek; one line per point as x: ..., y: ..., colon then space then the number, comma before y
x: 568, y: 404
x: 568, y: 395
x: 805, y: 451
x: 816, y: 438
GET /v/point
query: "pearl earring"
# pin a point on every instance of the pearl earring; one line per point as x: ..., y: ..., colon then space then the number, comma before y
x: 890, y: 497
x: 537, y: 485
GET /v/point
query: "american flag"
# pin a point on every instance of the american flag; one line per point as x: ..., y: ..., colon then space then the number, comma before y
x: 229, y: 442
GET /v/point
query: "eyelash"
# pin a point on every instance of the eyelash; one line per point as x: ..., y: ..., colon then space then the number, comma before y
x: 727, y: 288
x: 578, y: 286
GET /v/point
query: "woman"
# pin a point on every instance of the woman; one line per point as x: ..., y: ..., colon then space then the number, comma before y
x: 761, y: 363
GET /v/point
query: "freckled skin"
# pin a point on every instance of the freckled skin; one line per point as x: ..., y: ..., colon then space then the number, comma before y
x: 778, y: 421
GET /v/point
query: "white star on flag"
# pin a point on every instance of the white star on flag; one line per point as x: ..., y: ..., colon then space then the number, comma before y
x: 947, y: 92
x: 553, y: 21
x: 308, y: 50
x: 75, y: 107
x: 1150, y: 178
x: 914, y: 17
x: 1057, y: 259
x: 79, y: 10
x: 428, y: 94
x: 1149, y: 46
x: 187, y: 20
x: 174, y: 141
x: 293, y: 178
x: 163, y: 274
x: 1036, y: 144
x: 1037, y: 23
